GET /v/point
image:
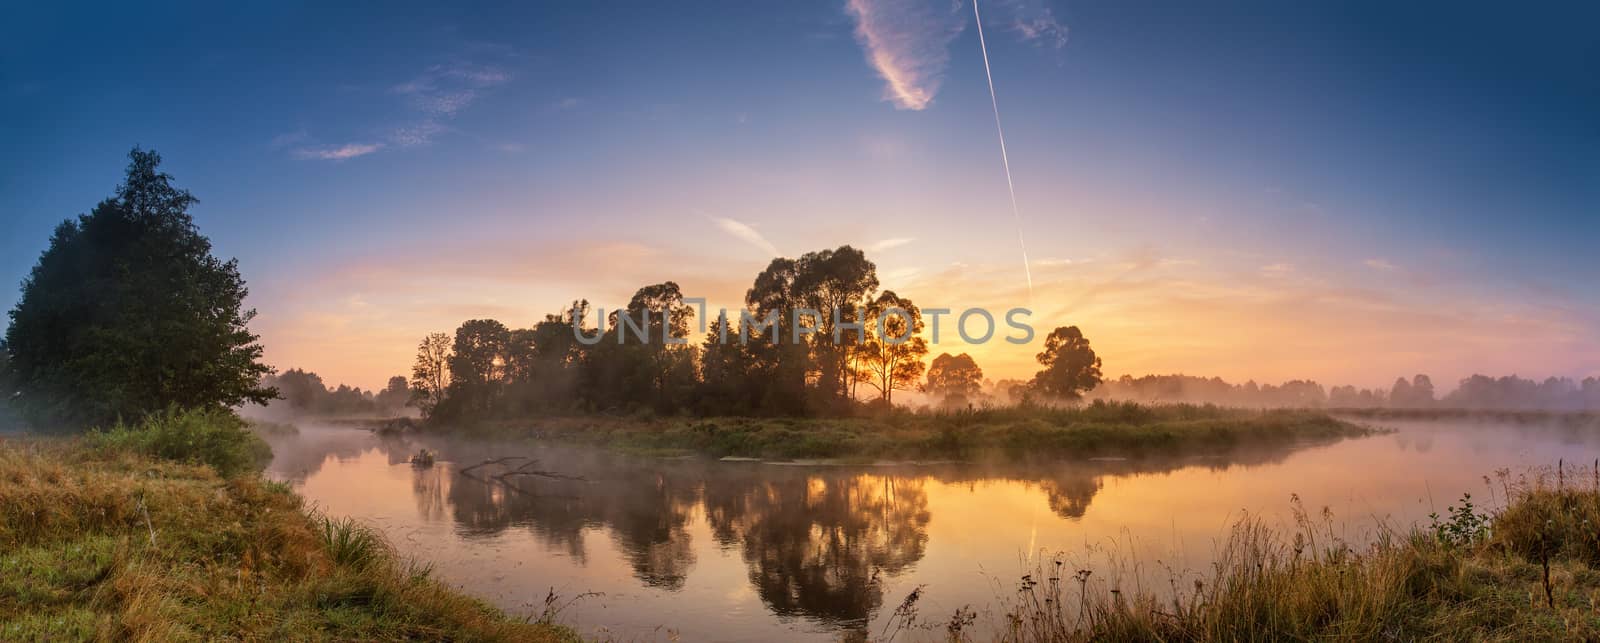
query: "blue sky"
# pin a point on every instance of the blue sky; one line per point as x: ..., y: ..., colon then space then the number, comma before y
x: 1257, y: 189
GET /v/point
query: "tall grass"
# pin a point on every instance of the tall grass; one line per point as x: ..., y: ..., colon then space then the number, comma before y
x: 108, y: 543
x: 211, y: 436
x: 1524, y: 572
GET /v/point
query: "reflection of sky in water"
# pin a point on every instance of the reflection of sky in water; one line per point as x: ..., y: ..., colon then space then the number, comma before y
x: 735, y: 551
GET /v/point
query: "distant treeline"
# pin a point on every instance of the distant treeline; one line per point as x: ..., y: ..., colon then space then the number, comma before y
x: 1476, y: 392
x: 490, y: 370
x: 303, y: 393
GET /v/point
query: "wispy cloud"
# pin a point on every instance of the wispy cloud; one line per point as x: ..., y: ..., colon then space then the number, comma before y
x: 416, y: 134
x: 1277, y: 269
x: 337, y: 152
x: 1379, y: 264
x: 907, y: 42
x: 444, y: 90
x: 1036, y: 23
x: 890, y: 243
x: 435, y: 96
x: 747, y: 234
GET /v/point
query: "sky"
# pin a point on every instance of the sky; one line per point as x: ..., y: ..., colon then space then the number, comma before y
x: 1252, y: 190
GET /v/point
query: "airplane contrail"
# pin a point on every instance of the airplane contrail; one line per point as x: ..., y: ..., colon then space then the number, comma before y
x: 1016, y: 214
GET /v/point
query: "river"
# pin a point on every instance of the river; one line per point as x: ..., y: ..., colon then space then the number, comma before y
x: 648, y: 548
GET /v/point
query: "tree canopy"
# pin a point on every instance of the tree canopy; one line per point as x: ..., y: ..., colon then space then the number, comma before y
x: 128, y: 312
x: 1070, y: 366
x: 892, y: 361
x: 954, y: 378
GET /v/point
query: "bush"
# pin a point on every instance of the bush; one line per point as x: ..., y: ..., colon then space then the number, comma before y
x: 211, y: 436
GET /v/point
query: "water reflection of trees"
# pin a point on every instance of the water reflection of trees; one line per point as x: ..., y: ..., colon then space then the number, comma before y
x: 645, y: 511
x: 817, y: 542
x: 1069, y: 495
x: 815, y: 545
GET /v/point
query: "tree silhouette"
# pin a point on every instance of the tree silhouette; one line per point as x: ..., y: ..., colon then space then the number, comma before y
x: 892, y: 361
x: 834, y: 283
x: 477, y: 366
x: 954, y: 378
x: 1422, y: 390
x: 777, y: 363
x: 302, y: 390
x: 635, y: 365
x: 1070, y: 366
x: 394, y: 395
x: 430, y: 374
x: 128, y: 312
x: 726, y: 370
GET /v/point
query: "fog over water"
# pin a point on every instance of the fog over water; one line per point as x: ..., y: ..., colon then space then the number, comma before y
x: 718, y: 550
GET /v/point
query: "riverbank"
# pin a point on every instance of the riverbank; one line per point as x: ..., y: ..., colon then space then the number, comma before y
x: 1524, y: 572
x: 1575, y: 419
x: 1093, y: 430
x: 101, y: 542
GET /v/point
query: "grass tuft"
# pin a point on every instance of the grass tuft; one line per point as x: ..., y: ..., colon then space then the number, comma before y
x: 351, y: 544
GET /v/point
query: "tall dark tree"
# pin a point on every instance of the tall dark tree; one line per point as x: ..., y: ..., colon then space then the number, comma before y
x: 777, y: 363
x: 724, y: 371
x: 478, y: 366
x: 829, y: 282
x: 636, y: 365
x: 559, y: 357
x: 1070, y: 366
x: 7, y: 383
x: 521, y: 356
x: 128, y: 312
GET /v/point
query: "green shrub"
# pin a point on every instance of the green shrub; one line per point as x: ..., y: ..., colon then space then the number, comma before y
x: 211, y: 436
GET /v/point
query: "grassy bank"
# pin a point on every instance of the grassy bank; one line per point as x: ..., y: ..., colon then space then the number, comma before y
x: 1097, y: 429
x: 1524, y: 572
x: 132, y: 535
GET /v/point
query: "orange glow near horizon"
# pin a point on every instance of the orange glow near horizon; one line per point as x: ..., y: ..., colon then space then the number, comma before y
x: 1144, y: 315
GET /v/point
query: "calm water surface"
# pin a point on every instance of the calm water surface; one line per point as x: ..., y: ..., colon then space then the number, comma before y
x: 645, y: 548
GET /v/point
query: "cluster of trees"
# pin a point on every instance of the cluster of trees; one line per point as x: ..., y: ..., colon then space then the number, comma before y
x: 1512, y: 392
x: 802, y: 363
x: 128, y: 313
x: 1475, y: 392
x: 304, y: 393
x: 1214, y: 390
